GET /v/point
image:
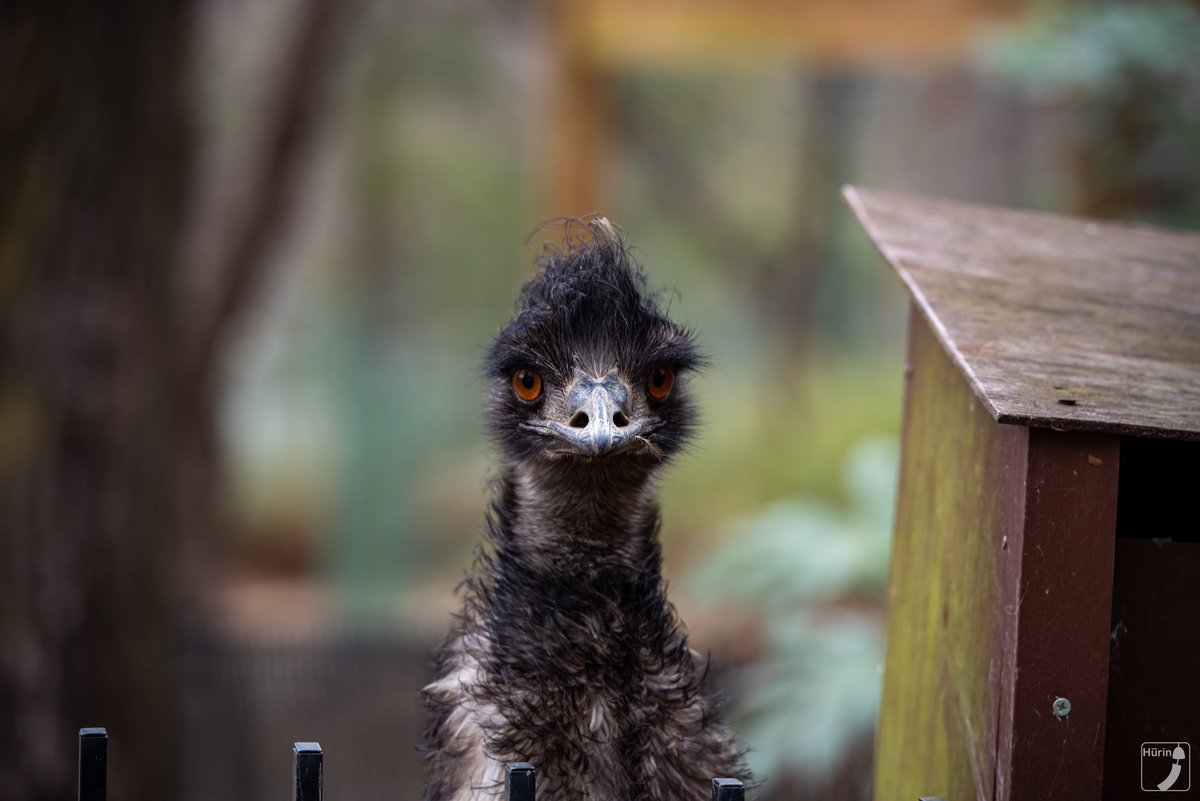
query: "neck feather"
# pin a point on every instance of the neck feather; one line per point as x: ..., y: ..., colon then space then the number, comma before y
x: 578, y: 517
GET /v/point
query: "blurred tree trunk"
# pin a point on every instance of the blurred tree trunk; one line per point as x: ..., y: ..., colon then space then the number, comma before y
x: 95, y: 145
x: 107, y: 457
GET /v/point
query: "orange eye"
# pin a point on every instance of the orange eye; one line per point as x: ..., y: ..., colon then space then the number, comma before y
x: 660, y: 382
x: 527, y: 384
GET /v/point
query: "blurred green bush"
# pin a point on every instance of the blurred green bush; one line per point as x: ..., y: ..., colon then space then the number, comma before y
x: 1131, y: 73
x: 815, y: 574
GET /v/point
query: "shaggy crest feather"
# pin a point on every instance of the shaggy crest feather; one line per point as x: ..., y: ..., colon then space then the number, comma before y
x: 567, y: 653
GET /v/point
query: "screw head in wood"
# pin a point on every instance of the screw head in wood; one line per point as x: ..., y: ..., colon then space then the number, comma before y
x: 1061, y: 707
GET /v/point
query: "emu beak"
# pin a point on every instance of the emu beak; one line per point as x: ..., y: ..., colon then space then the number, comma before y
x: 598, y: 424
x: 595, y: 421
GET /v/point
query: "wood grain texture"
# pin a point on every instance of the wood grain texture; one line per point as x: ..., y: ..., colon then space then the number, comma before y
x: 961, y: 503
x: 1056, y: 321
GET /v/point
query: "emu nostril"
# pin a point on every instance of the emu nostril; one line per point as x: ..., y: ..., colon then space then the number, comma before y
x: 620, y: 420
x: 580, y: 420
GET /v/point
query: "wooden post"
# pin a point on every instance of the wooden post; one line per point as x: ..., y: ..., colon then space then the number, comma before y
x: 578, y: 152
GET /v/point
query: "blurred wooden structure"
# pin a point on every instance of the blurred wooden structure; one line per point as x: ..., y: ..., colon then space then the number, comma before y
x: 1044, y: 616
x: 596, y: 39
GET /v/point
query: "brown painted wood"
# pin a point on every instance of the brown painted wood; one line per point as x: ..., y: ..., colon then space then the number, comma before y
x: 1154, y: 678
x: 1055, y: 321
x: 1057, y: 645
x: 962, y: 490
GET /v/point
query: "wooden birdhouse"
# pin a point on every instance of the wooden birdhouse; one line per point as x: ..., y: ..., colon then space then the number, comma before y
x: 1044, y: 599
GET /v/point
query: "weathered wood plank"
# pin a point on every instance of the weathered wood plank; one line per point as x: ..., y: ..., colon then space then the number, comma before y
x: 1056, y: 321
x: 961, y: 500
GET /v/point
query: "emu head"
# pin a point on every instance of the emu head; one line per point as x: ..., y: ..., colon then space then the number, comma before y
x: 590, y: 372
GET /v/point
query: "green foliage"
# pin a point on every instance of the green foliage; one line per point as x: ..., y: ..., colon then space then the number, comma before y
x: 770, y: 430
x: 816, y: 575
x: 1104, y: 51
x: 1131, y: 71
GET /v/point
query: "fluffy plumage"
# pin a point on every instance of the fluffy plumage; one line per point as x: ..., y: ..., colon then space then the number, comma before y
x: 567, y: 653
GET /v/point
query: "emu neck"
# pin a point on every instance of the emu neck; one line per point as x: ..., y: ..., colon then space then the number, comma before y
x: 583, y: 516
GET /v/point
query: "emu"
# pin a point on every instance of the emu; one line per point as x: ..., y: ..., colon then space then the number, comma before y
x: 567, y: 653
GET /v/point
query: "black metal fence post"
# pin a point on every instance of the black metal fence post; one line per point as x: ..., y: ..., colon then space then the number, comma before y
x: 520, y: 783
x: 728, y: 790
x: 93, y: 764
x: 307, y: 760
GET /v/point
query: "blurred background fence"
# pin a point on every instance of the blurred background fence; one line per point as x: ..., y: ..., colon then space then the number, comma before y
x: 251, y: 253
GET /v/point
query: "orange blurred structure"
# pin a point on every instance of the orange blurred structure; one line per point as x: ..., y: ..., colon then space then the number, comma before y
x: 596, y: 39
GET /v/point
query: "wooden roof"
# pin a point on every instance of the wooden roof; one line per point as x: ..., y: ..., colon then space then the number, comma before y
x: 1056, y: 321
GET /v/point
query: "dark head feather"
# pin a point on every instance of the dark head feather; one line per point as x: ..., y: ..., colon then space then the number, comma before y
x: 589, y: 308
